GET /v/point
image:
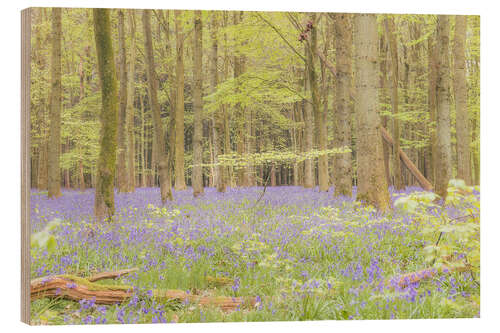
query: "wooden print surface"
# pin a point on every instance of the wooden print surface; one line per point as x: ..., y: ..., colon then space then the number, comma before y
x: 201, y: 166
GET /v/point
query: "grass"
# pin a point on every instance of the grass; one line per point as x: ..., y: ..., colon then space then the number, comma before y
x: 307, y: 255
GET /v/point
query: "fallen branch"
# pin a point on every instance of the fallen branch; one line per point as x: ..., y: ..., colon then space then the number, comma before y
x: 406, y: 279
x: 426, y: 185
x: 76, y: 288
x: 111, y: 275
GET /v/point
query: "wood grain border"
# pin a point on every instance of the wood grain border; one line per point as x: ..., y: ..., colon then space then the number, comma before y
x: 25, y: 163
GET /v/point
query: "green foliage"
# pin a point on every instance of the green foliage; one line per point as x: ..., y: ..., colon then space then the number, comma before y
x: 44, y: 239
x: 458, y: 241
x: 273, y: 157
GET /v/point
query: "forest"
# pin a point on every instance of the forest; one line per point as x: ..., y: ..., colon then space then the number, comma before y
x: 253, y: 166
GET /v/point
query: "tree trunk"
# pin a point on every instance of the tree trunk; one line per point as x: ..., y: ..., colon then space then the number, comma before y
x: 432, y: 104
x: 161, y: 156
x: 342, y: 122
x: 384, y: 53
x: 460, y: 89
x: 319, y: 130
x: 308, y: 130
x: 197, y: 106
x: 106, y: 163
x: 122, y: 112
x: 54, y: 142
x: 443, y: 130
x: 393, y: 47
x: 216, y: 124
x: 143, y: 144
x: 130, y: 105
x: 372, y: 185
x: 180, y: 182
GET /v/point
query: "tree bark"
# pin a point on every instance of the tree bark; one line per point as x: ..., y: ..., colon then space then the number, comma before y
x: 197, y: 106
x: 372, y: 185
x: 216, y: 125
x: 130, y: 105
x: 460, y: 89
x: 159, y: 134
x: 443, y: 130
x: 393, y: 47
x: 180, y: 182
x: 309, y: 129
x: 106, y: 163
x: 54, y: 142
x: 432, y: 104
x: 122, y: 112
x: 319, y: 130
x: 342, y: 122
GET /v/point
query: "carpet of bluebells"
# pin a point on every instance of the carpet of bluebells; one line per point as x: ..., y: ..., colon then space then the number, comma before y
x: 305, y: 255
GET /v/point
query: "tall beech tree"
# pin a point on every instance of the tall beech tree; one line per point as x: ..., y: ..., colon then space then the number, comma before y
x: 460, y: 90
x: 432, y: 101
x: 123, y: 175
x: 443, y: 126
x: 54, y: 142
x: 393, y: 47
x: 197, y: 105
x: 372, y: 185
x: 130, y: 104
x: 104, y: 206
x: 320, y: 131
x: 342, y: 120
x: 180, y: 182
x: 159, y: 133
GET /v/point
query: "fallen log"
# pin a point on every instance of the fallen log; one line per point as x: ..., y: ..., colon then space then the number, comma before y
x: 426, y: 185
x: 76, y: 288
x: 405, y: 280
x: 111, y: 275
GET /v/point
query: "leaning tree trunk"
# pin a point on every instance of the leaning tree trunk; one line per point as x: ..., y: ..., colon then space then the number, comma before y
x: 180, y: 183
x: 159, y: 136
x: 443, y: 130
x: 342, y: 122
x: 393, y: 47
x: 197, y: 106
x: 106, y: 162
x: 372, y: 185
x: 130, y: 105
x: 460, y: 89
x: 122, y: 111
x: 54, y: 142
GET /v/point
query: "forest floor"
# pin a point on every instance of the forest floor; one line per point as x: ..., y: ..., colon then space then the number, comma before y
x: 303, y: 254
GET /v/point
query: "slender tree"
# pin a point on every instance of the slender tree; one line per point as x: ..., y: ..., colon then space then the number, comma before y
x: 460, y: 89
x: 393, y: 47
x: 320, y: 131
x: 443, y: 128
x: 122, y: 180
x: 372, y: 185
x: 54, y: 142
x: 130, y: 104
x: 309, y: 127
x: 197, y: 105
x: 342, y: 121
x: 106, y: 164
x: 432, y: 102
x: 180, y: 182
x: 159, y: 134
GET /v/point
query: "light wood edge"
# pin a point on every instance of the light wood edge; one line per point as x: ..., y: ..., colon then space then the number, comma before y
x: 25, y: 163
